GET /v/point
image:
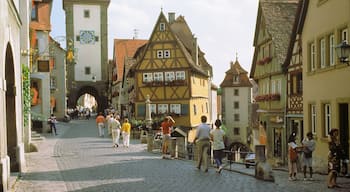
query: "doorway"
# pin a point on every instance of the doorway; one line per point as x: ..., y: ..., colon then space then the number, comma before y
x: 11, y: 110
x: 344, y: 127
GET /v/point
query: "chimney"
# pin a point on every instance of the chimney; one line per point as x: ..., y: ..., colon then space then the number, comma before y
x: 171, y: 17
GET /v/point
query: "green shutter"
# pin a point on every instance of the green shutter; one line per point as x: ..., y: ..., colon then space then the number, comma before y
x: 184, y: 109
x: 141, y: 110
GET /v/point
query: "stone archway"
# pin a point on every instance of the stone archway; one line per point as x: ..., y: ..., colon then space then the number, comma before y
x: 101, y: 103
x: 11, y: 110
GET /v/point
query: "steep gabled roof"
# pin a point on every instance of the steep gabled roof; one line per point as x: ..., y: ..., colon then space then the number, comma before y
x: 297, y: 29
x: 125, y: 48
x: 236, y: 69
x: 279, y: 17
x: 187, y: 39
x: 186, y: 42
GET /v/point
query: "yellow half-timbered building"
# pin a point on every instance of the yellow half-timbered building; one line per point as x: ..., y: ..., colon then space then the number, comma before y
x: 172, y: 70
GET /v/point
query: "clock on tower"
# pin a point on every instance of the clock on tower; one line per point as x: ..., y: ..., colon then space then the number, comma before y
x: 87, y: 37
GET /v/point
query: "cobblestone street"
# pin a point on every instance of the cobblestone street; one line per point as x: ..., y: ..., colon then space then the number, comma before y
x: 78, y: 160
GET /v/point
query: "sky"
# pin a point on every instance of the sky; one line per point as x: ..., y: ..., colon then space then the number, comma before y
x: 224, y: 28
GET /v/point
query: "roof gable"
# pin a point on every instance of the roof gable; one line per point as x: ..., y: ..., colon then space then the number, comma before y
x: 236, y: 70
x: 123, y: 49
x: 279, y: 17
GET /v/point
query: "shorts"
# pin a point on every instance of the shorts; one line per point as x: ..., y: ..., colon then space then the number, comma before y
x: 166, y: 139
x: 307, y: 162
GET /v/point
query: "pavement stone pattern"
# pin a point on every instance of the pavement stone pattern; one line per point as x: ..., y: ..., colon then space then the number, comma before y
x: 78, y: 160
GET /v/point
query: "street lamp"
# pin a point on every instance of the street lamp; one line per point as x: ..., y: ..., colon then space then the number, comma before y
x: 343, y: 52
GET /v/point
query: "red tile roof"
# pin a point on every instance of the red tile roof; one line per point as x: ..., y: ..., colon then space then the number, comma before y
x: 125, y: 48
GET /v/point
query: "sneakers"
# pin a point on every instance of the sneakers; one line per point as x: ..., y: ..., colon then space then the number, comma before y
x: 292, y: 178
x: 219, y: 170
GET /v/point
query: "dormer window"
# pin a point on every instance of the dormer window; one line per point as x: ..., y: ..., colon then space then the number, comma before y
x: 236, y: 79
x: 162, y: 27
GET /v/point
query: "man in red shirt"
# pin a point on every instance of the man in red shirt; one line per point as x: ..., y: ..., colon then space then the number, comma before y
x: 100, y: 119
x: 166, y: 130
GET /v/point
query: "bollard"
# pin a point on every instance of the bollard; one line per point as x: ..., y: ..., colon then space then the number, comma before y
x: 149, y: 142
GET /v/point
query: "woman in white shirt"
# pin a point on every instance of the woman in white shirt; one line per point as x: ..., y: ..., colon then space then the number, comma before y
x: 217, y: 136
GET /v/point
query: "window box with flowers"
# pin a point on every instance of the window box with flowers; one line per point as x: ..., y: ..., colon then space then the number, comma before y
x: 261, y: 98
x: 158, y: 83
x: 179, y: 82
x: 264, y: 60
x: 275, y: 97
x: 267, y: 59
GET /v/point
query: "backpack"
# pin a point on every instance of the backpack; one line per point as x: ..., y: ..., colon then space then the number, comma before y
x: 293, y: 155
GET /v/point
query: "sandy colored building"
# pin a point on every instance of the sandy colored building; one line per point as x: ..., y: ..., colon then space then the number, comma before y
x: 325, y: 91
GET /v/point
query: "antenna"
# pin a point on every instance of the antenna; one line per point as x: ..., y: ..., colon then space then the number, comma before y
x: 236, y: 56
x: 136, y: 31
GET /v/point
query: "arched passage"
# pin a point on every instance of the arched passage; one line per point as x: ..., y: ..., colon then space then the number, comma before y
x: 11, y: 110
x: 101, y: 103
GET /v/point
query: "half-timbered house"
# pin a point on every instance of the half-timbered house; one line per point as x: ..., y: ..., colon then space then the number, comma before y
x: 172, y: 70
x: 274, y: 25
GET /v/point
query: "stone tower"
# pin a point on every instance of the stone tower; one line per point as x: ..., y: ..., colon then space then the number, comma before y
x: 86, y: 34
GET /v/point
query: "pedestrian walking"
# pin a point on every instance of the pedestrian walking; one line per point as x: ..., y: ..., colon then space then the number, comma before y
x: 308, y: 148
x: 217, y: 137
x: 100, y: 120
x: 115, y: 129
x: 202, y: 141
x: 126, y: 128
x: 108, y: 117
x: 293, y: 157
x: 334, y: 157
x: 52, y: 122
x: 166, y: 125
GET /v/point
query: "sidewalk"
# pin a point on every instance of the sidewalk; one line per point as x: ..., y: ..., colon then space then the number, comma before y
x: 35, y: 161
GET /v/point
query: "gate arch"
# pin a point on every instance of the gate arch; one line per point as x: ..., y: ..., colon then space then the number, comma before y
x: 100, y: 99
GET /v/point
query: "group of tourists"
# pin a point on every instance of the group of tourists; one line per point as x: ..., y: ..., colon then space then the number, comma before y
x: 114, y: 128
x: 335, y: 155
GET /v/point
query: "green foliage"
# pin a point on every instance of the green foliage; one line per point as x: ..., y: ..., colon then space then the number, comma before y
x: 26, y: 93
x: 224, y: 128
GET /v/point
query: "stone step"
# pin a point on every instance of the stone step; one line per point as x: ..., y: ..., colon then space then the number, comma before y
x: 36, y: 136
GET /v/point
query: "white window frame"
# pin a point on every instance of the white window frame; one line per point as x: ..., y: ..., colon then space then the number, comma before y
x: 267, y: 91
x: 160, y: 54
x: 312, y: 57
x: 327, y: 118
x: 147, y: 77
x: 158, y: 76
x: 161, y: 26
x: 163, y: 108
x: 180, y: 75
x: 331, y: 50
x: 169, y: 76
x: 166, y: 53
x: 273, y: 86
x: 279, y: 86
x: 236, y: 79
x: 313, y: 118
x: 153, y: 108
x: 323, y: 53
x: 175, y: 108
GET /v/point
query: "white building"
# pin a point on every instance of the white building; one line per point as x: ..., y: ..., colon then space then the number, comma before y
x: 236, y: 103
x: 14, y: 16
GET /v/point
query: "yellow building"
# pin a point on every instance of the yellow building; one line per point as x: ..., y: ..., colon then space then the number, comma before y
x: 172, y: 70
x: 326, y: 93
